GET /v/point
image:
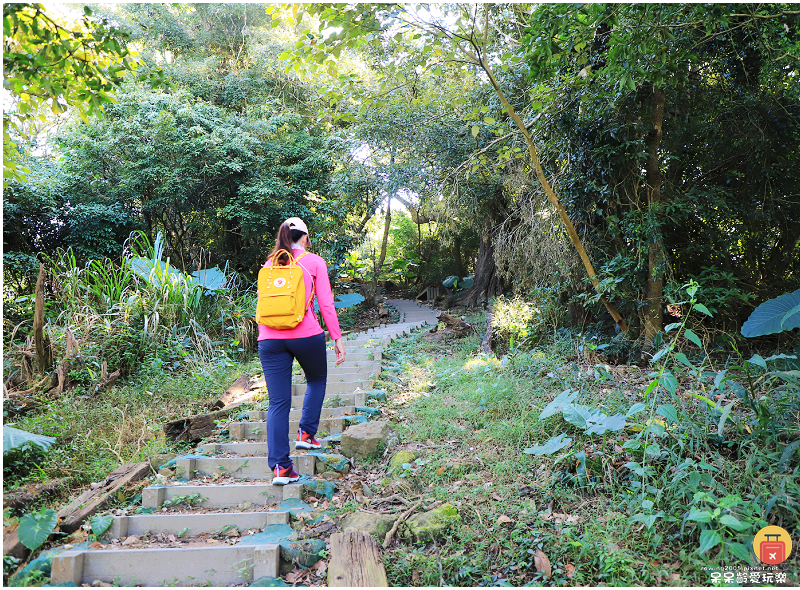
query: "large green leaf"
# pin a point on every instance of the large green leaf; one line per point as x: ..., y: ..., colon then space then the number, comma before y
x: 13, y: 438
x: 699, y: 515
x: 449, y: 281
x: 212, y: 279
x: 774, y: 315
x: 551, y: 446
x: 100, y: 524
x: 739, y: 551
x: 556, y: 406
x: 583, y: 416
x: 34, y: 528
x: 708, y: 540
x: 613, y: 423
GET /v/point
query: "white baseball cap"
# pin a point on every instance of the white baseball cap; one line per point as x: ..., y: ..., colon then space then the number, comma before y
x: 297, y: 223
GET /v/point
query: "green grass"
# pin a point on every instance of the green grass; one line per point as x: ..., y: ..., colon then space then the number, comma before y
x: 442, y: 391
x: 124, y: 424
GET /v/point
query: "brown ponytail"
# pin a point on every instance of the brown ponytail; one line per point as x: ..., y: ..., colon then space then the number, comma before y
x: 286, y: 237
x: 282, y: 242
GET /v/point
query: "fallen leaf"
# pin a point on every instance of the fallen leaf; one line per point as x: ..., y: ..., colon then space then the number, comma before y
x: 504, y: 519
x: 96, y: 545
x: 440, y: 470
x: 570, y: 569
x: 320, y: 567
x: 294, y: 576
x: 542, y: 563
x: 676, y: 577
x: 560, y: 518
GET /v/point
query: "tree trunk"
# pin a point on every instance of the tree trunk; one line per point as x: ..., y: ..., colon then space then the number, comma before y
x: 487, y: 281
x: 551, y: 195
x: 379, y: 264
x: 653, y: 322
x: 44, y: 353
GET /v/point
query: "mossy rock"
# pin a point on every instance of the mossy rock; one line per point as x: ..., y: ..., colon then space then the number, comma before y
x: 401, y: 457
x: 428, y: 526
x: 373, y: 524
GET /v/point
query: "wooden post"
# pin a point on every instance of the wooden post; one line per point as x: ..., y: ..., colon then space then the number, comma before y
x: 355, y: 561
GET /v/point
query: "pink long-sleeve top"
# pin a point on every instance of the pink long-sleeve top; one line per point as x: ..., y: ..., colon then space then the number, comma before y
x: 315, y: 276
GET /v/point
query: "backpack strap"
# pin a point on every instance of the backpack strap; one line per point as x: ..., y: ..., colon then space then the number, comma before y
x: 313, y: 282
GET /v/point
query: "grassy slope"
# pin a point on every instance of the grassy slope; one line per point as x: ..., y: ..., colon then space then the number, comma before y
x: 123, y: 424
x: 469, y: 418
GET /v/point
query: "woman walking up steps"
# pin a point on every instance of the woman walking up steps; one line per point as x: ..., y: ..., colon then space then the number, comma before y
x: 277, y: 348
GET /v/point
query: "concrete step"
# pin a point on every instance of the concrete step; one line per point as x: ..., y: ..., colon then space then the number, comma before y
x: 356, y: 353
x: 332, y: 400
x: 222, y: 496
x: 244, y: 449
x: 354, y: 376
x: 349, y: 366
x: 364, y: 344
x: 261, y: 415
x: 194, y: 566
x: 352, y: 357
x: 337, y: 387
x: 191, y: 525
x: 240, y: 468
x: 258, y: 430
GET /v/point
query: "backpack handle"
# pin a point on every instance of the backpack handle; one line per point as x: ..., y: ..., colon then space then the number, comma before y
x: 278, y: 255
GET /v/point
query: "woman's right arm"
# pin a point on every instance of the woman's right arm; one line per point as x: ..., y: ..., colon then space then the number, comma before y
x: 325, y: 299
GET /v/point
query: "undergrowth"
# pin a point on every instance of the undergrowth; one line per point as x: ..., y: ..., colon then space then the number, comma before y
x: 674, y: 494
x: 95, y: 434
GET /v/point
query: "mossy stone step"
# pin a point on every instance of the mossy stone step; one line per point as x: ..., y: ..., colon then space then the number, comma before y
x: 194, y: 566
x: 258, y: 430
x: 220, y: 496
x: 191, y: 525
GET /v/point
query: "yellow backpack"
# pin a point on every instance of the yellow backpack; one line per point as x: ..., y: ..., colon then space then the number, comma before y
x: 281, y: 294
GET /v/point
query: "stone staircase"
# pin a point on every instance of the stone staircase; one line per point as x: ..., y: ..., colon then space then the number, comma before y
x: 190, y: 513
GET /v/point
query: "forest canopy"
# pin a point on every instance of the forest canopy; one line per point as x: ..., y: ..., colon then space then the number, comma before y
x: 603, y: 154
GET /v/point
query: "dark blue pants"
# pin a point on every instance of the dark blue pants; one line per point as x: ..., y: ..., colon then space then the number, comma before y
x: 276, y: 360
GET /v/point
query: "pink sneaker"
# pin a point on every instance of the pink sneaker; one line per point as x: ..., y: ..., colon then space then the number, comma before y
x: 306, y: 441
x: 284, y: 475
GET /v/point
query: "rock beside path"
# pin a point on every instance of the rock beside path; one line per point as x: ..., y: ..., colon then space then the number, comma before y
x: 363, y: 440
x: 428, y: 526
x: 374, y: 524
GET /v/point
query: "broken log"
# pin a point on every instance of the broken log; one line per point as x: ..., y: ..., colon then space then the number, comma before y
x: 237, y: 388
x: 12, y: 545
x: 456, y: 324
x: 194, y: 428
x: 355, y: 561
x: 106, y: 380
x: 95, y: 498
